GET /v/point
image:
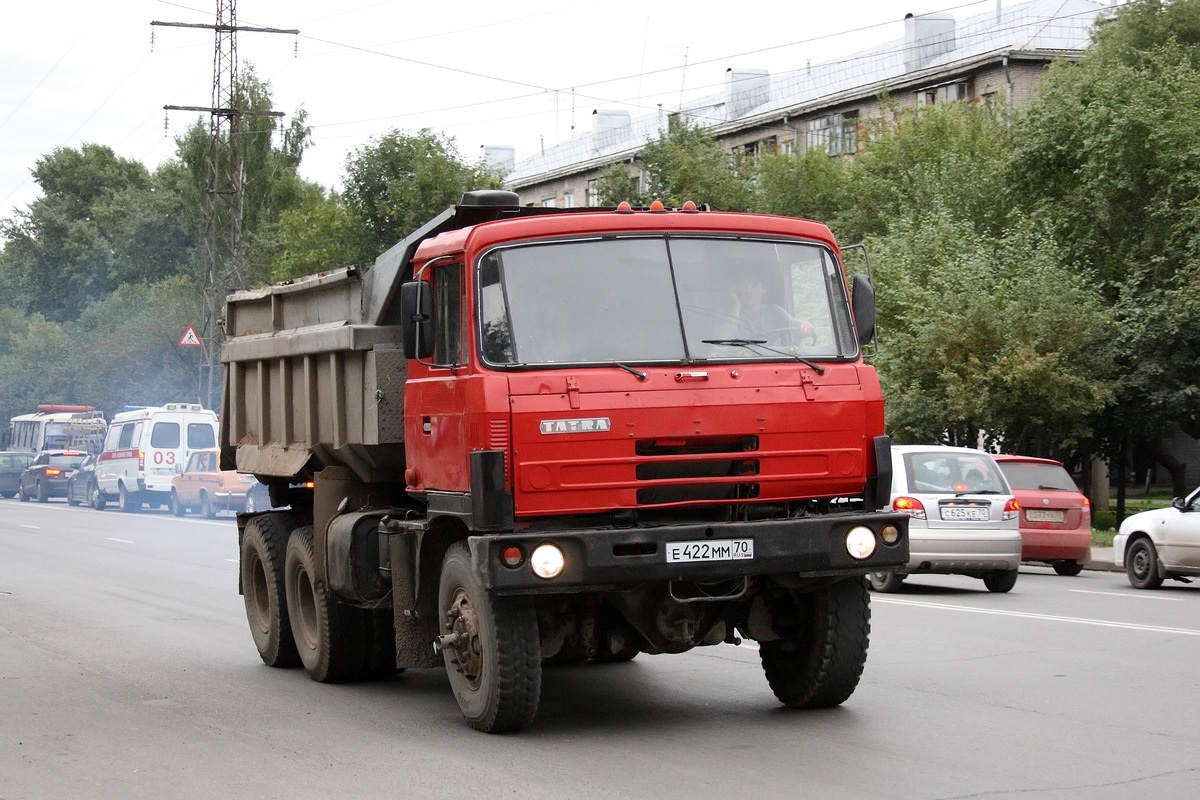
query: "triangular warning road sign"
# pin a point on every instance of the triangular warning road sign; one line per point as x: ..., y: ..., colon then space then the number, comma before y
x: 190, y: 339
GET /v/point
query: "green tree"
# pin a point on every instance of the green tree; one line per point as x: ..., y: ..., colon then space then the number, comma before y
x: 986, y: 335
x: 322, y: 234
x: 953, y: 155
x: 58, y: 254
x: 685, y: 163
x: 124, y: 348
x: 401, y: 180
x: 809, y: 184
x: 270, y: 164
x: 1109, y: 157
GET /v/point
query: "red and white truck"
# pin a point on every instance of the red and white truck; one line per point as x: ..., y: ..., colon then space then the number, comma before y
x: 552, y: 435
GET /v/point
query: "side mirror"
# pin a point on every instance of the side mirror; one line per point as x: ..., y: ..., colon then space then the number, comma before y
x: 862, y: 300
x: 1179, y: 504
x: 416, y: 319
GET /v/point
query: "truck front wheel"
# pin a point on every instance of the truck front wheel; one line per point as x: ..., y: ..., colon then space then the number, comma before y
x: 818, y: 664
x: 263, y: 546
x: 491, y: 648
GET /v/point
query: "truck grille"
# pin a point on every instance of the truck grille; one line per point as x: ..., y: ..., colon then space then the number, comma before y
x: 696, y: 469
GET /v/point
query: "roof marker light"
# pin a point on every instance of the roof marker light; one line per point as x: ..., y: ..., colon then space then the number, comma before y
x: 689, y: 205
x: 657, y: 205
x: 623, y: 207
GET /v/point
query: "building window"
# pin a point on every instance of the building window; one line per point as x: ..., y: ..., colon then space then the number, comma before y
x: 836, y: 134
x: 568, y: 200
x: 592, y: 194
x: 550, y: 202
x: 945, y: 93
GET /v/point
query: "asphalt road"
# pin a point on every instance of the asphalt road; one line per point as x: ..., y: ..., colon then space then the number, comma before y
x: 127, y: 671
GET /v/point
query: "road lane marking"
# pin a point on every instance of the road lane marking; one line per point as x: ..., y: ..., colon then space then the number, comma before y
x: 122, y: 541
x: 1048, y: 617
x: 1140, y: 595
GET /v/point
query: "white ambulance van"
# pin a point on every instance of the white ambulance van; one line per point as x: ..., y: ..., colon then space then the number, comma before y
x: 146, y: 447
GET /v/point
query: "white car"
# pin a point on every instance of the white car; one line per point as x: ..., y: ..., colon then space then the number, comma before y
x: 965, y: 520
x: 1161, y: 543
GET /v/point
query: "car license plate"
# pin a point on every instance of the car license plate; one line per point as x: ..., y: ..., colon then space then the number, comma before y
x: 974, y: 513
x: 1044, y: 515
x: 710, y: 550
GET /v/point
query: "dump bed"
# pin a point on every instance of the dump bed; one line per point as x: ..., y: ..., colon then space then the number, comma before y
x: 309, y: 382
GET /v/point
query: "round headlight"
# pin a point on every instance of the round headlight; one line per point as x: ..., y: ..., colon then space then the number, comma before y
x: 547, y: 561
x: 890, y: 534
x: 860, y: 542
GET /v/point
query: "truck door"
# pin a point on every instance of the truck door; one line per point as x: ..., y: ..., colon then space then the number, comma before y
x: 435, y: 398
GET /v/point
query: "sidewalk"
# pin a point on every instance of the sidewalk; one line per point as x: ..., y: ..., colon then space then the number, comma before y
x: 1102, y: 560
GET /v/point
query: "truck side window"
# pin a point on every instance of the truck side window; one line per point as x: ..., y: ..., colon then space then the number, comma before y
x: 447, y: 299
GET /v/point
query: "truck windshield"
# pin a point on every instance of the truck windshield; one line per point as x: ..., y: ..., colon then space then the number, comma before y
x: 662, y: 299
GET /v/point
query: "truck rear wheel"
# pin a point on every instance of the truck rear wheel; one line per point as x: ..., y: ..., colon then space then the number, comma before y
x: 819, y: 664
x: 336, y: 642
x: 264, y: 543
x: 490, y: 646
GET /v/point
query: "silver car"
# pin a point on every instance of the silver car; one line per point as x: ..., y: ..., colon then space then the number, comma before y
x: 1160, y: 543
x: 965, y: 520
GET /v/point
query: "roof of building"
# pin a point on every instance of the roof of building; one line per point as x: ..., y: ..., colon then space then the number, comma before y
x: 934, y: 44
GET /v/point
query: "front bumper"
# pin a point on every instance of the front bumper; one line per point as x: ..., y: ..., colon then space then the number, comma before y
x: 613, y: 557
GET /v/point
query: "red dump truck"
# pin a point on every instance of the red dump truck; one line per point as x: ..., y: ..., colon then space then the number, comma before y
x: 539, y: 436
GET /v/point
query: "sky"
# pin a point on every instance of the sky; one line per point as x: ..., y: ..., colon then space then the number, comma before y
x: 525, y: 75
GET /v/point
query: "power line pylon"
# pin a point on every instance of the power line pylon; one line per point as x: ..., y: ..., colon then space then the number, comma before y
x: 224, y: 195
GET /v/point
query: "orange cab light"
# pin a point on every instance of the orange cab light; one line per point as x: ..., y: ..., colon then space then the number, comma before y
x: 657, y: 205
x: 512, y: 556
x: 624, y: 207
x: 689, y: 205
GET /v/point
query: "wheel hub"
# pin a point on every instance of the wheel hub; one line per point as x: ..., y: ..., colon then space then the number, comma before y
x: 461, y: 639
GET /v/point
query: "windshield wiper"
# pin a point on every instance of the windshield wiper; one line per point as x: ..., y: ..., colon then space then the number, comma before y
x: 641, y: 376
x: 762, y: 343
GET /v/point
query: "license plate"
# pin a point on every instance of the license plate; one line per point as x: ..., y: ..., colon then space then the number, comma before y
x: 1044, y: 515
x: 974, y: 513
x: 710, y: 550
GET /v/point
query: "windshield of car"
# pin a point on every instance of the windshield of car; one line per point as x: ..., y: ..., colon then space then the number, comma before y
x: 662, y: 299
x: 952, y: 473
x: 1032, y: 476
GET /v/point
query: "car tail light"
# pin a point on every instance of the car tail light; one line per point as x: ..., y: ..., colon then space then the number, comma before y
x: 141, y: 460
x: 909, y: 505
x: 1012, y: 509
x: 51, y: 472
x: 1087, y: 508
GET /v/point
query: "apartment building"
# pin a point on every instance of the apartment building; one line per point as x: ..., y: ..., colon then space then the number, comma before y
x: 996, y: 57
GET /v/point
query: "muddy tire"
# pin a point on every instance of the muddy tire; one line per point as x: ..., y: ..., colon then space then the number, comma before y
x: 818, y: 665
x: 490, y: 646
x: 337, y: 643
x: 264, y: 543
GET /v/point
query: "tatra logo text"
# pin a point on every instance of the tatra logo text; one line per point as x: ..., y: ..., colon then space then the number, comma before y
x: 592, y: 425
